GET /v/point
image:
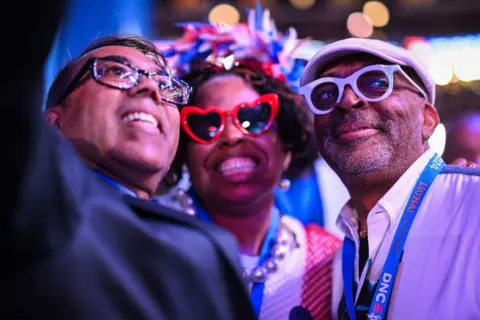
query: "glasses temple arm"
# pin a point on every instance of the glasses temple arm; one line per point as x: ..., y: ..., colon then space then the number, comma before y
x: 73, y: 83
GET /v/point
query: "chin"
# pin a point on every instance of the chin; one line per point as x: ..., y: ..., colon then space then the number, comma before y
x: 362, y: 162
x: 146, y: 162
x: 157, y: 164
x: 359, y: 161
x: 237, y: 195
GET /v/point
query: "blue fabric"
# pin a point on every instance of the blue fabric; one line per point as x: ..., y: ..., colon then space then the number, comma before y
x: 461, y: 170
x: 114, y: 183
x: 302, y: 200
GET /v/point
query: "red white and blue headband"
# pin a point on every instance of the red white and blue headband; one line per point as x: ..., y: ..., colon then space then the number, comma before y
x: 224, y: 45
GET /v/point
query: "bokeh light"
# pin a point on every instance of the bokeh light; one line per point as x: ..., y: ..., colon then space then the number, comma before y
x: 377, y: 12
x: 466, y: 65
x: 359, y: 25
x: 224, y: 13
x: 441, y: 70
x: 302, y: 4
x: 421, y: 49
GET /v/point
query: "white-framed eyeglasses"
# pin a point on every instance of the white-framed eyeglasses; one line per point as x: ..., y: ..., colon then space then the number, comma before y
x: 373, y: 83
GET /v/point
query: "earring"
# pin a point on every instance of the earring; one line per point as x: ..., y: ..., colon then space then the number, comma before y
x: 284, y: 184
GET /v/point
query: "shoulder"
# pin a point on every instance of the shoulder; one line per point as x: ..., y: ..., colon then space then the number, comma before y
x: 154, y: 209
x: 462, y: 171
x: 172, y: 201
x: 172, y: 225
x: 452, y: 203
x: 314, y: 236
x: 460, y: 181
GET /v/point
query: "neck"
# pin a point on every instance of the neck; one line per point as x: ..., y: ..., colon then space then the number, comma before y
x: 363, y: 201
x: 366, y: 189
x: 141, y: 182
x: 142, y: 191
x: 249, y: 226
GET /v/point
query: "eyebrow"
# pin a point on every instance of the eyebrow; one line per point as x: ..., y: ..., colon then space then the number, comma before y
x: 330, y: 74
x: 125, y: 60
x: 402, y: 81
x: 335, y: 74
x: 121, y: 59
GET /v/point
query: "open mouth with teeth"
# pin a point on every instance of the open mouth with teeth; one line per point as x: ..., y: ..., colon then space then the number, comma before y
x: 237, y: 168
x: 140, y: 117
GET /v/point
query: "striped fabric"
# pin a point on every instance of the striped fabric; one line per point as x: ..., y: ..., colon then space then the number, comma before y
x: 317, y: 281
x: 305, y: 277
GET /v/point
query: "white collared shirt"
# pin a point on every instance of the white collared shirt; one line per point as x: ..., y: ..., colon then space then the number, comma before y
x: 439, y: 275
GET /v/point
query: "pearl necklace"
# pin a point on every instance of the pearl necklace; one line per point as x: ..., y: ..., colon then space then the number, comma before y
x: 283, y: 245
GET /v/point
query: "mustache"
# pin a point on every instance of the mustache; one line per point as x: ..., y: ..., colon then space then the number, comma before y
x: 363, y: 118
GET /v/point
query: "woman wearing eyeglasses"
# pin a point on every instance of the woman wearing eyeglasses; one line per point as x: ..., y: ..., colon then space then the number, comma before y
x: 240, y: 130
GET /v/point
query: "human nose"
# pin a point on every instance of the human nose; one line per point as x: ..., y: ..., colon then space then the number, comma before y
x: 148, y: 87
x: 349, y: 100
x: 231, y: 135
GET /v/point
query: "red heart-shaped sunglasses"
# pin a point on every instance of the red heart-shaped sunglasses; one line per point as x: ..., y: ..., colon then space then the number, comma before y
x: 206, y: 125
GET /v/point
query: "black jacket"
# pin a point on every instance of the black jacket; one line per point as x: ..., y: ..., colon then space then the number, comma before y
x: 71, y: 246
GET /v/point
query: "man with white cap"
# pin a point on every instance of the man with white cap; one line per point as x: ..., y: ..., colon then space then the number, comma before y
x: 412, y: 245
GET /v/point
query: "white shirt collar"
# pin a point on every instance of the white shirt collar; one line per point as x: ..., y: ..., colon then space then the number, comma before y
x: 393, y: 201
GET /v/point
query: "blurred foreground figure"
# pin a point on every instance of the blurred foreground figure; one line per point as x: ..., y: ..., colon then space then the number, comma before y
x: 412, y: 244
x: 77, y: 241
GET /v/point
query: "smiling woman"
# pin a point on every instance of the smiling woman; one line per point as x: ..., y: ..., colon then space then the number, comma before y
x: 240, y: 129
x: 237, y: 164
x: 239, y: 135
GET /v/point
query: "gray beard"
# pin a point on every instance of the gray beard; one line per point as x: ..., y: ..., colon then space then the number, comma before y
x: 378, y: 156
x: 377, y: 152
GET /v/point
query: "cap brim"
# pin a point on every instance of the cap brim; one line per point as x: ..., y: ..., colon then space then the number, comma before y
x: 318, y: 62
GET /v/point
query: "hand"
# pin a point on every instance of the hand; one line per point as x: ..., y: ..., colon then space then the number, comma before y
x: 462, y: 162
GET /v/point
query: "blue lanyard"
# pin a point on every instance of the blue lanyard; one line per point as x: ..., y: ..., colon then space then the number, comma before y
x: 381, y: 298
x: 114, y: 183
x: 256, y: 296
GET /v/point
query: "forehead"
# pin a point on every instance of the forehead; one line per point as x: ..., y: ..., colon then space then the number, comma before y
x: 134, y: 57
x: 345, y: 66
x: 225, y: 92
